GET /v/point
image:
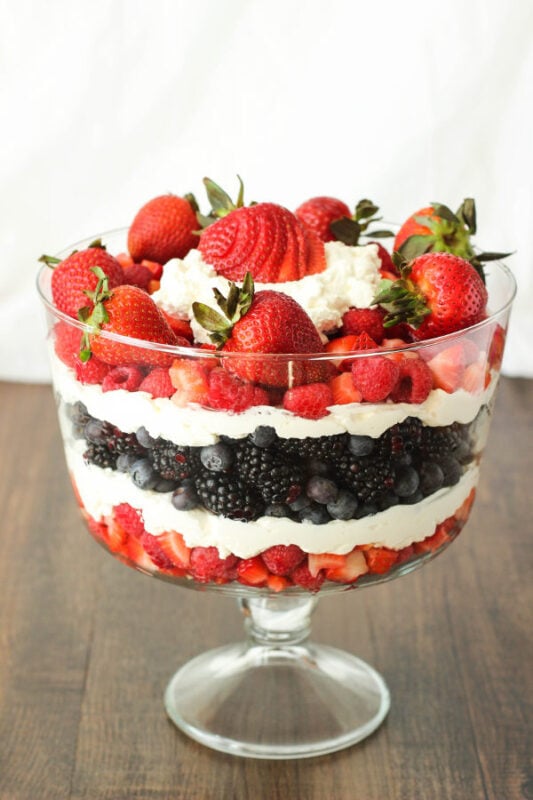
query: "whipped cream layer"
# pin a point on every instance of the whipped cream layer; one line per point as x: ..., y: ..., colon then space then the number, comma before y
x: 196, y: 426
x: 350, y: 279
x: 397, y: 527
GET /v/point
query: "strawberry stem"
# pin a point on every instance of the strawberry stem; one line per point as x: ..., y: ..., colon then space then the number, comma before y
x: 233, y: 308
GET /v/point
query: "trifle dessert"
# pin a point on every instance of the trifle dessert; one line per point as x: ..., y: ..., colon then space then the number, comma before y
x: 261, y: 398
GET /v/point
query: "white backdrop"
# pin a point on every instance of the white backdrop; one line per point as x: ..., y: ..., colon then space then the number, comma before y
x: 106, y: 104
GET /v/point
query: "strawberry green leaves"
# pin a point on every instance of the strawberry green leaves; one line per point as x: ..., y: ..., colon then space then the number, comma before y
x: 221, y: 202
x: 233, y: 308
x: 349, y: 229
x: 94, y: 316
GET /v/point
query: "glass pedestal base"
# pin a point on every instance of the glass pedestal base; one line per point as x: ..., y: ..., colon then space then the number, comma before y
x: 282, y: 700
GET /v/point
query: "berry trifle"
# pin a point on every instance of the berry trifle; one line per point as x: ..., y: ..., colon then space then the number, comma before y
x: 265, y: 399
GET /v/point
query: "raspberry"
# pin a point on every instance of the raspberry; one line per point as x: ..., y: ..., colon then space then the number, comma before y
x: 302, y: 577
x: 158, y: 383
x: 310, y: 400
x: 282, y: 559
x: 206, y: 565
x: 67, y: 343
x: 153, y: 548
x: 128, y: 378
x: 415, y: 381
x: 375, y: 377
x: 91, y: 371
x: 137, y: 275
x: 229, y: 393
x: 130, y: 519
x: 364, y: 320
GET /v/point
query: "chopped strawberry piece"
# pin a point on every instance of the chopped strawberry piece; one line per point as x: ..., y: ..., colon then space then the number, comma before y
x: 415, y: 381
x: 448, y: 368
x: 310, y: 401
x: 181, y: 327
x: 320, y: 561
x: 98, y: 529
x: 155, y: 268
x: 67, y: 343
x: 405, y: 554
x: 252, y: 571
x: 349, y: 344
x: 496, y: 347
x: 364, y: 320
x: 130, y: 519
x: 174, y: 547
x: 127, y: 378
x: 137, y: 275
x: 431, y: 543
x: 375, y: 377
x: 92, y: 371
x: 353, y: 567
x: 190, y: 379
x: 229, y: 393
x: 380, y: 559
x: 282, y: 559
x: 343, y: 389
x: 156, y: 553
x: 474, y: 378
x: 116, y: 537
x: 463, y: 512
x: 276, y: 583
x: 158, y: 383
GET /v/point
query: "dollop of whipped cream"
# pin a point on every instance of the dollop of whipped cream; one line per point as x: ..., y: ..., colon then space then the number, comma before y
x: 350, y: 279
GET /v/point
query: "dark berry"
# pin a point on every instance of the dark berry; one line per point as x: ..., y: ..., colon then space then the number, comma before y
x: 361, y: 445
x: 164, y: 485
x: 344, y: 506
x: 125, y: 461
x: 144, y: 438
x: 263, y: 436
x: 416, y: 497
x: 315, y: 513
x: 301, y: 502
x: 100, y: 455
x: 431, y: 477
x: 217, y: 457
x: 366, y: 510
x: 406, y: 481
x: 143, y: 474
x: 228, y: 496
x: 388, y: 501
x: 277, y: 510
x: 97, y: 431
x: 275, y: 477
x: 171, y: 461
x: 317, y: 467
x: 451, y: 469
x: 321, y: 490
x: 185, y: 497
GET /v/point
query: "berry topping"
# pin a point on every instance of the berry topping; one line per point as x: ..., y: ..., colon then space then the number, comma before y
x: 364, y: 320
x: 92, y: 371
x: 318, y: 213
x: 206, y: 565
x: 415, y: 381
x: 158, y: 383
x: 127, y: 378
x: 282, y: 559
x: 163, y: 228
x: 375, y: 377
x: 310, y: 401
x: 229, y: 393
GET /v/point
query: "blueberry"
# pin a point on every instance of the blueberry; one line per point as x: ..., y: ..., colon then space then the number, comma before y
x: 413, y: 498
x: 263, y: 436
x: 463, y: 451
x: 344, y: 506
x: 317, y: 467
x: 143, y: 474
x: 217, y: 457
x: 322, y: 490
x: 314, y: 513
x: 365, y: 511
x: 185, y: 497
x: 302, y: 501
x: 165, y: 485
x: 96, y: 431
x: 388, y: 501
x: 431, y: 478
x: 125, y: 461
x: 361, y: 445
x: 406, y: 481
x: 144, y: 438
x: 403, y: 460
x: 451, y: 469
x: 277, y: 510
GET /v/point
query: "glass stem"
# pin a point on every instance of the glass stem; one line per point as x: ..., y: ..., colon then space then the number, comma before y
x: 278, y: 620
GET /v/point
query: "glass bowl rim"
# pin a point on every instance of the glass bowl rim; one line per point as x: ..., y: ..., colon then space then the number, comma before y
x: 199, y: 352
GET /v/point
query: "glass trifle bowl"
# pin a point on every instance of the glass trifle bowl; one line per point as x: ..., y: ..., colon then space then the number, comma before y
x: 191, y: 474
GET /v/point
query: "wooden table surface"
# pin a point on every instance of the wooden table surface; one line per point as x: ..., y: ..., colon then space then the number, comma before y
x: 87, y: 647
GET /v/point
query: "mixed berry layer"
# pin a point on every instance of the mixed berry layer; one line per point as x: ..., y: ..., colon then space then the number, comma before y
x: 313, y: 480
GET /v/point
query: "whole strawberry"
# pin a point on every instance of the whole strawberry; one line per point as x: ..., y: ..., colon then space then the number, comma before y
x: 263, y: 322
x: 318, y: 213
x: 266, y: 240
x: 437, y: 293
x: 127, y: 311
x: 164, y: 228
x: 74, y: 276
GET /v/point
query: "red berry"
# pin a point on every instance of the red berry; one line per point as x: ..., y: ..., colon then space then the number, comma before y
x: 375, y: 377
x: 415, y: 381
x: 206, y: 565
x: 158, y: 383
x: 252, y: 571
x: 153, y: 548
x: 130, y: 519
x: 74, y: 276
x: 282, y: 559
x: 380, y: 559
x: 310, y: 401
x: 91, y: 371
x: 364, y: 320
x: 302, y: 577
x: 128, y: 378
x: 163, y: 229
x: 67, y: 343
x: 229, y: 393
x: 318, y: 213
x: 138, y: 275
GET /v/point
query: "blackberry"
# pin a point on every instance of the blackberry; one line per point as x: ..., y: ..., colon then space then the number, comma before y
x: 101, y: 456
x: 277, y: 479
x: 228, y: 496
x: 370, y: 478
x: 323, y: 448
x: 172, y: 462
x: 442, y: 442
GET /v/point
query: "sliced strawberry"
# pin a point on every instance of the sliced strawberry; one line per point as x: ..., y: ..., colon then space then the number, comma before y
x: 181, y: 327
x: 380, y: 559
x: 432, y: 543
x: 343, y: 389
x: 496, y: 347
x: 252, y: 571
x: 190, y: 379
x: 173, y: 546
x: 353, y: 567
x: 276, y: 583
x: 448, y: 368
x: 319, y: 561
x: 474, y: 378
x: 116, y: 537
